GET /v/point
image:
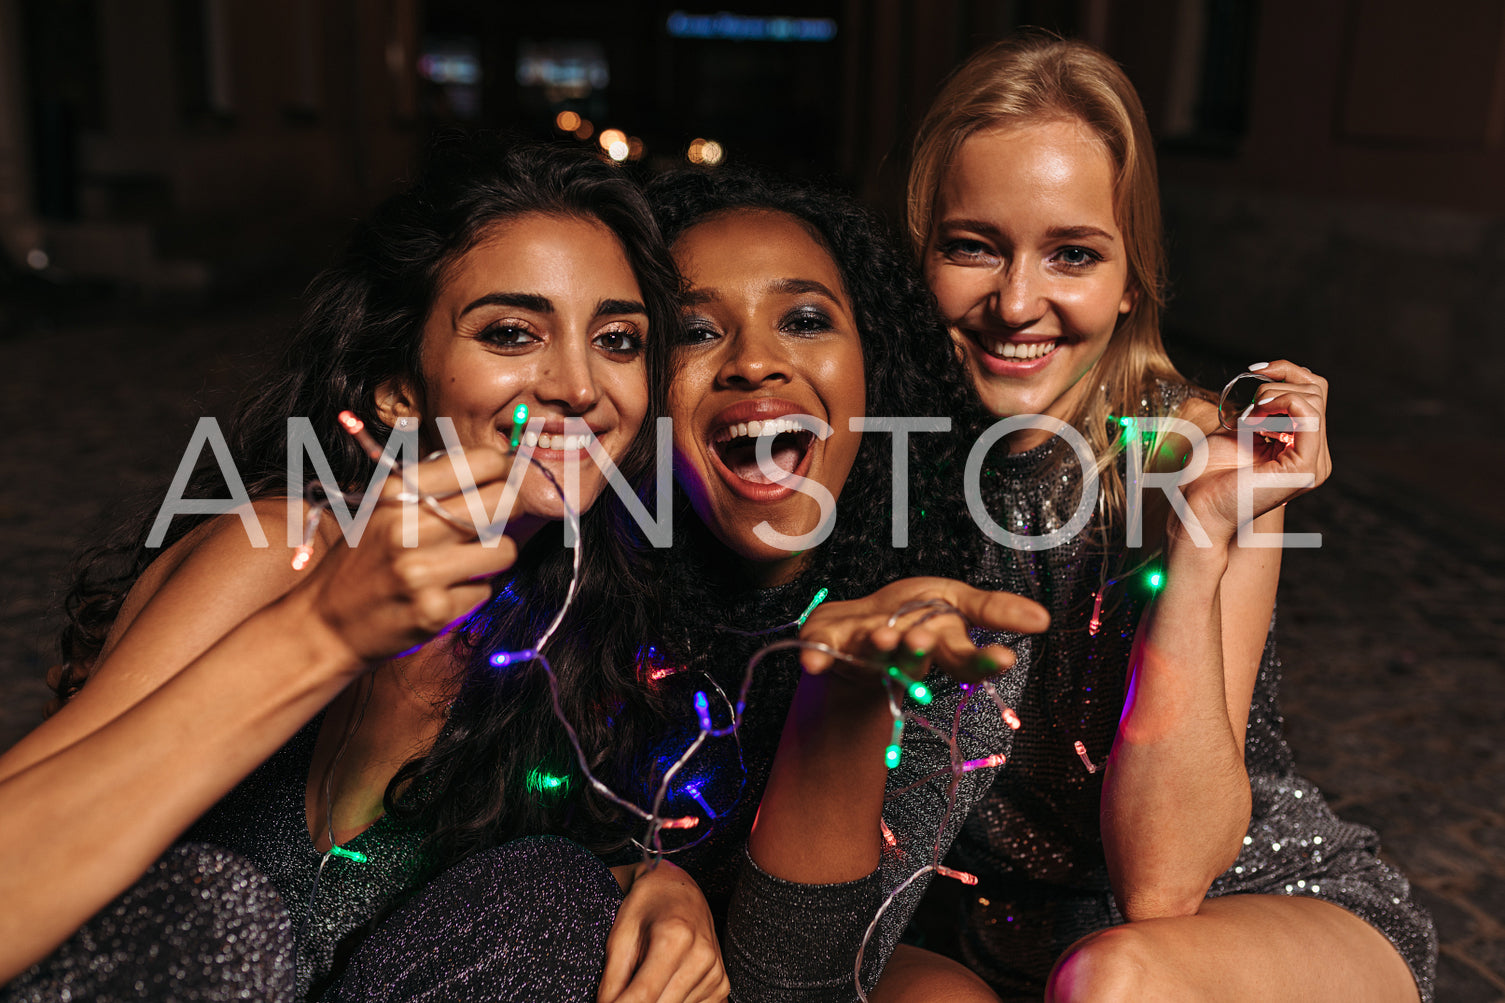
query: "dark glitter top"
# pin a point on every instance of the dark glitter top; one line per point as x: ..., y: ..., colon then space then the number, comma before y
x: 264, y: 819
x: 790, y: 942
x: 1035, y: 840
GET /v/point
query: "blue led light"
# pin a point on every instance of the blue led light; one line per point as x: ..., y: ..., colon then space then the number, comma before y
x: 750, y: 28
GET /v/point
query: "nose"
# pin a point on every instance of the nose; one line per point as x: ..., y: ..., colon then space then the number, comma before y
x: 567, y: 378
x: 753, y: 359
x: 1018, y: 300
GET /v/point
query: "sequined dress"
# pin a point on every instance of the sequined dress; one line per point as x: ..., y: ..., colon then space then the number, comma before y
x: 1034, y: 840
x: 791, y: 943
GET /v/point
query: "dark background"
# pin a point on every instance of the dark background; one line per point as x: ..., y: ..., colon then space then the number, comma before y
x: 173, y: 171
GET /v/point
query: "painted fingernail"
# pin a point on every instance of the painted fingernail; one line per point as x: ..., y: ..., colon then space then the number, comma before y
x: 1258, y: 366
x: 1266, y: 400
x: 919, y: 653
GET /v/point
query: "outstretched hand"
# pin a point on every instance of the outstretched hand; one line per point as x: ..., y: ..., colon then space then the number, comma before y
x: 861, y: 627
x: 662, y: 947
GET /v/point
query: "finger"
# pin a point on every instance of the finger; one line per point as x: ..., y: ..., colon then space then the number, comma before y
x: 691, y: 968
x: 714, y: 986
x: 852, y: 634
x: 659, y: 964
x: 917, y: 644
x: 622, y: 952
x: 1286, y: 371
x: 453, y: 563
x: 452, y: 473
x: 1005, y: 611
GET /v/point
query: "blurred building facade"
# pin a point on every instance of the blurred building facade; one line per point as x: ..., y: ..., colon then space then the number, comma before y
x: 1333, y: 174
x: 157, y: 141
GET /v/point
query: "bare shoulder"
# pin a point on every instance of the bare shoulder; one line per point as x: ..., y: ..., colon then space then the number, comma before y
x: 216, y: 567
x: 195, y: 593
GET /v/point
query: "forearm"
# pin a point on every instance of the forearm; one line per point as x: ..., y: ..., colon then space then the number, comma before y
x: 80, y: 826
x: 1175, y: 799
x: 819, y: 820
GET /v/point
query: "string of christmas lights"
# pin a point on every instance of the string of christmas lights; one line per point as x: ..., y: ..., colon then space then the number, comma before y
x: 897, y: 683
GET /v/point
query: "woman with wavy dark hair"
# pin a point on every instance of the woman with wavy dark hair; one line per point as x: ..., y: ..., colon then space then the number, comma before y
x: 801, y: 319
x: 382, y: 743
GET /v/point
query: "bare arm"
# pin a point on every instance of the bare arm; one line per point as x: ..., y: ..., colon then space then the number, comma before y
x: 1176, y: 795
x: 225, y: 660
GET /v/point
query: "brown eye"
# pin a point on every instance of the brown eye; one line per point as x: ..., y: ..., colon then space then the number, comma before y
x: 619, y: 341
x: 506, y: 334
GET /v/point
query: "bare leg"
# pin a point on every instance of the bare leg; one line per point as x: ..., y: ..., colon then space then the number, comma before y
x: 1240, y: 947
x: 915, y: 975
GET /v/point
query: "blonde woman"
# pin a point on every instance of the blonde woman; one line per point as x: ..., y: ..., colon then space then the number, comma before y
x: 1149, y: 838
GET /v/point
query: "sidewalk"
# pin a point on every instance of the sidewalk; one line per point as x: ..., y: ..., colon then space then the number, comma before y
x: 1392, y: 633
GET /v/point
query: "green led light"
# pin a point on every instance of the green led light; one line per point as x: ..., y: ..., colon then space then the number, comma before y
x: 355, y: 855
x: 540, y: 782
x: 891, y: 756
x: 820, y: 597
x: 1126, y: 422
x: 918, y: 691
x: 1156, y: 579
x: 519, y: 422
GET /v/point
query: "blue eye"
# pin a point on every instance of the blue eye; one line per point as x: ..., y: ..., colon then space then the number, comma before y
x: 963, y: 249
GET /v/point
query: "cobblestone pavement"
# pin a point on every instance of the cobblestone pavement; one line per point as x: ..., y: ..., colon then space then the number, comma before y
x: 1392, y: 632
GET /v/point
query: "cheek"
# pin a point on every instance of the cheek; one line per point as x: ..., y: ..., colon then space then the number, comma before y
x: 957, y: 291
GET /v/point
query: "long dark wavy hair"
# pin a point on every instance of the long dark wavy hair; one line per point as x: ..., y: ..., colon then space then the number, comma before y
x: 361, y: 329
x: 910, y: 369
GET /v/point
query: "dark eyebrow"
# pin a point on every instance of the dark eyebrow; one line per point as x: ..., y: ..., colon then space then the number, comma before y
x: 699, y: 296
x: 615, y: 307
x: 542, y: 304
x: 797, y: 286
x: 523, y: 301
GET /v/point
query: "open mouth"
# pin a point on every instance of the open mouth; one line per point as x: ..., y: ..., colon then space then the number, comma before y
x: 736, y: 446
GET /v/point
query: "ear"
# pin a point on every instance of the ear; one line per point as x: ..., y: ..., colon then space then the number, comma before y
x: 1130, y: 299
x: 395, y: 399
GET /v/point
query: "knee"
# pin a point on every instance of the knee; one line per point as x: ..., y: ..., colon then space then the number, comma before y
x: 1105, y: 967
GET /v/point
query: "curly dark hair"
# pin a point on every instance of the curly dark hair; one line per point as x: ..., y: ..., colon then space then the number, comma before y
x: 910, y: 369
x: 362, y: 328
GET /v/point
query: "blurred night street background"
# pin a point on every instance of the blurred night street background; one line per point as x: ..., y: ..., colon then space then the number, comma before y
x: 172, y: 172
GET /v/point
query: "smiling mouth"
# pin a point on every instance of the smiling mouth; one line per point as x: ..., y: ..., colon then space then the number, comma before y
x: 1023, y: 351
x: 736, y: 447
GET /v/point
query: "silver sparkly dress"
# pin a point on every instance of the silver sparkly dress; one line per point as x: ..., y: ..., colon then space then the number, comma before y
x: 1034, y: 840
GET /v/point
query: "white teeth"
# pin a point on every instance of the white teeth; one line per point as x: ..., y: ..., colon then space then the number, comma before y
x: 543, y: 440
x: 1020, y: 350
x: 755, y: 429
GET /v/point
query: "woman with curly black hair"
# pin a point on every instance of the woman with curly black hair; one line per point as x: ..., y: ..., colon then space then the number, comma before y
x: 802, y: 327
x: 389, y: 746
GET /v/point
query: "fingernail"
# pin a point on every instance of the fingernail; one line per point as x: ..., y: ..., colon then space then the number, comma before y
x: 1258, y: 366
x: 1266, y: 400
x: 919, y: 652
